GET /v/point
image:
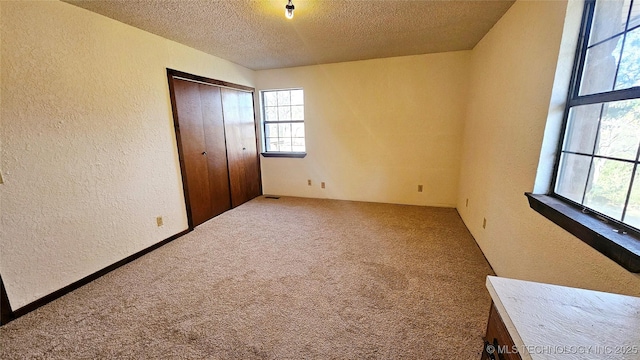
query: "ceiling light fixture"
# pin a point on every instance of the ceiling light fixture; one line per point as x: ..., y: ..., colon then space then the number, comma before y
x: 289, y: 10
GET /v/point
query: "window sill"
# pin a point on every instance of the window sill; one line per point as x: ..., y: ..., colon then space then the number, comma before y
x: 624, y: 249
x: 285, y: 154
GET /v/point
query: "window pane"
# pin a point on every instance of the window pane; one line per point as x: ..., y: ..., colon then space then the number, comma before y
x: 629, y: 72
x: 284, y: 97
x: 271, y: 130
x: 582, y: 128
x: 608, y: 185
x: 600, y: 67
x: 297, y: 97
x: 284, y: 113
x: 270, y: 98
x: 297, y: 113
x: 271, y: 114
x: 633, y: 209
x: 572, y: 176
x: 285, y: 144
x: 272, y: 144
x: 298, y: 144
x: 609, y: 19
x: 297, y: 130
x: 284, y: 130
x: 619, y: 134
x: 634, y: 20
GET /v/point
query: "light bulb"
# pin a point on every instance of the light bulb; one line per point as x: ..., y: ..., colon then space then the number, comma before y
x: 288, y: 10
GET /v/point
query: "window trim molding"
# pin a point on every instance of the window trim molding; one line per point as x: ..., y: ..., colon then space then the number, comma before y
x: 284, y: 154
x: 604, y: 236
x: 576, y: 73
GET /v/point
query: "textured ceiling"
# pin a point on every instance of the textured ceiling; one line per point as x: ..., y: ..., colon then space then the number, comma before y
x: 257, y: 35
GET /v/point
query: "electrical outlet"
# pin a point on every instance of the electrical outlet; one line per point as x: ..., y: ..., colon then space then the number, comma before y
x: 484, y: 223
x: 419, y: 188
x: 467, y: 203
x: 309, y: 182
x: 159, y: 221
x: 322, y: 184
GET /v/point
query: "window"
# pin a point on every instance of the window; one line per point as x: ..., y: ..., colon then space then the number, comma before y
x: 595, y: 193
x: 598, y: 163
x: 283, y: 119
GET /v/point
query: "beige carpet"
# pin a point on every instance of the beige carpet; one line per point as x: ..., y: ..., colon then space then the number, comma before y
x: 280, y: 279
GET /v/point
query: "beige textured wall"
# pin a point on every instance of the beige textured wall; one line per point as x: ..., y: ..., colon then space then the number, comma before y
x: 376, y: 129
x: 512, y: 77
x: 88, y: 148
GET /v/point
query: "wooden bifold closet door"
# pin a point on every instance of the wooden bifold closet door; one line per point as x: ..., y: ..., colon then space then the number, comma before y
x: 241, y: 145
x: 215, y: 131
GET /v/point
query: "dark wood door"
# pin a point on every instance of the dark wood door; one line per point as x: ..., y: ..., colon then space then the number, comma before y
x: 242, y: 154
x: 216, y: 149
x: 200, y: 131
x: 193, y: 148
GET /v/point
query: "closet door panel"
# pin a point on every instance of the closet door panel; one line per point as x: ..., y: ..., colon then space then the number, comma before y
x: 250, y: 154
x: 241, y: 145
x: 216, y: 149
x: 192, y: 139
x: 233, y: 132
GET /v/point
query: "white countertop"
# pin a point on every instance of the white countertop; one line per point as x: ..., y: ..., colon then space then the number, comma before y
x: 549, y: 322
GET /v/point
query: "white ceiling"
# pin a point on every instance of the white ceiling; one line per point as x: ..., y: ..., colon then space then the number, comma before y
x: 256, y: 34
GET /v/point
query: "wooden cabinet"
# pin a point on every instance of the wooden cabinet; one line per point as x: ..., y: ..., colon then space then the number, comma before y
x: 216, y: 138
x: 551, y: 322
x: 498, y: 344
